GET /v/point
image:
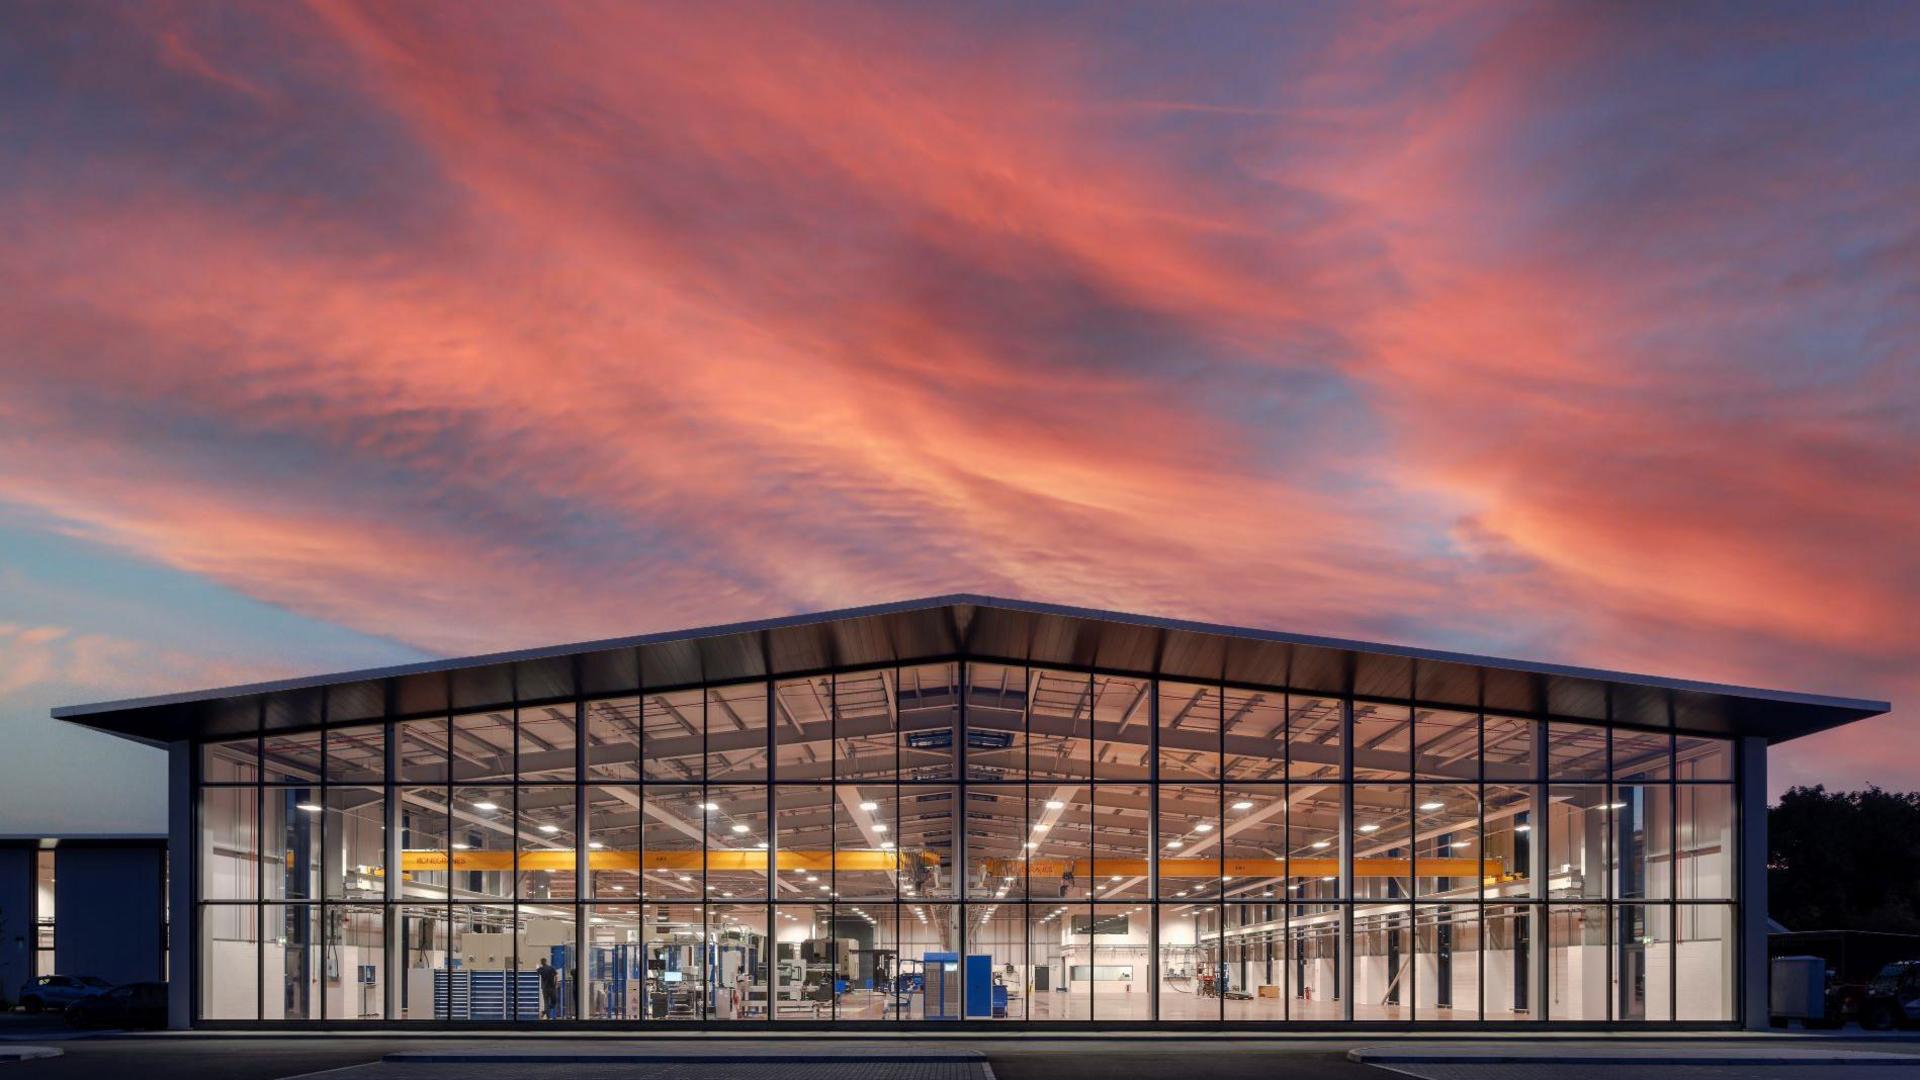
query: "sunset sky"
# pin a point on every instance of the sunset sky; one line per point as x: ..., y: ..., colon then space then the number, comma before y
x: 335, y: 335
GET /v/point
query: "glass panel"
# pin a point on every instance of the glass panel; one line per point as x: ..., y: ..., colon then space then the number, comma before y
x: 737, y: 843
x: 1382, y: 961
x: 1642, y: 962
x: 1446, y: 962
x: 1060, y: 725
x: 1576, y: 752
x: 483, y: 747
x: 1576, y: 841
x: 613, y: 841
x: 927, y: 834
x: 737, y: 977
x: 1255, y: 743
x: 1642, y: 842
x: 1382, y: 842
x: 422, y: 750
x: 1190, y: 719
x: 490, y: 981
x: 482, y: 842
x: 803, y: 729
x: 292, y: 962
x: 1189, y: 962
x: 1256, y: 962
x: 1510, y: 993
x: 237, y: 761
x: 1382, y: 741
x: 230, y: 945
x: 1122, y: 711
x: 1510, y: 815
x: 1189, y: 841
x: 1577, y: 962
x: 291, y: 758
x: 356, y: 832
x: 356, y: 962
x: 1121, y: 950
x: 999, y: 932
x: 1446, y: 744
x: 229, y: 844
x: 1314, y: 731
x: 615, y: 971
x: 865, y: 833
x: 1703, y: 961
x: 1641, y: 755
x: 1706, y: 841
x: 290, y: 831
x: 737, y: 733
x: 357, y: 755
x: 1447, y: 840
x: 997, y: 832
x: 1509, y: 748
x: 1051, y: 995
x: 613, y: 739
x: 1314, y: 817
x: 423, y: 842
x: 996, y: 722
x: 865, y: 728
x: 423, y: 944
x: 673, y: 840
x: 929, y: 721
x: 1313, y: 950
x: 1121, y: 843
x: 805, y: 962
x: 804, y: 822
x: 547, y: 742
x: 673, y: 737
x: 547, y: 860
x: 1702, y: 757
x: 1059, y: 841
x: 547, y: 960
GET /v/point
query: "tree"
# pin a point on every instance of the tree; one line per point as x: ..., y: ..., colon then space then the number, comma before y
x: 1845, y: 860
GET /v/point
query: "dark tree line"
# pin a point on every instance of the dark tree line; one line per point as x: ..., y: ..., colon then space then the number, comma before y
x: 1845, y: 860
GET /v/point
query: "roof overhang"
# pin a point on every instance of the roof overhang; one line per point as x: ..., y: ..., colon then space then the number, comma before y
x: 987, y: 628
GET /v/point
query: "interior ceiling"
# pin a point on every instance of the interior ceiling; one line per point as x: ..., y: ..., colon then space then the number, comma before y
x: 982, y: 627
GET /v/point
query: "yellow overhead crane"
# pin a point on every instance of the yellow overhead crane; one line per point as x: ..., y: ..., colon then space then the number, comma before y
x: 870, y: 860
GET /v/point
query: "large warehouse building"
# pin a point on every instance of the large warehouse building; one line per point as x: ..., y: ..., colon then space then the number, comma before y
x: 970, y: 811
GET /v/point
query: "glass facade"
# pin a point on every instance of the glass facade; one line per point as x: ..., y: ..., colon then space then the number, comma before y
x: 965, y: 840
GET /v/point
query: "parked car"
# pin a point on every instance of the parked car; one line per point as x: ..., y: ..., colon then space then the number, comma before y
x: 1855, y: 960
x: 56, y: 992
x: 135, y: 1005
x: 1893, y: 997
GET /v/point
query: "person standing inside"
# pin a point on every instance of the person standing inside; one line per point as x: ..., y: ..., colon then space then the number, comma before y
x: 549, y: 988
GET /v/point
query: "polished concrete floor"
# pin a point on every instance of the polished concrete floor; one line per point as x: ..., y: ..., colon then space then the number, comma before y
x: 1176, y: 1004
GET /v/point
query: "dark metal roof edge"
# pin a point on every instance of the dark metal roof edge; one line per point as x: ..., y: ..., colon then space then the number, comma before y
x: 1531, y: 667
x: 545, y: 652
x: 1861, y: 705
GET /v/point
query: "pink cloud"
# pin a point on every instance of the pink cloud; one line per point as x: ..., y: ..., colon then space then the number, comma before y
x: 700, y: 313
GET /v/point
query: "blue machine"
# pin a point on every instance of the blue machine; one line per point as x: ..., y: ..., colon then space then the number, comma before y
x: 941, y: 973
x: 980, y: 987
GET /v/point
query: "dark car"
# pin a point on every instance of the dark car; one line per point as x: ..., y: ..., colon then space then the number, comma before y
x: 1893, y: 997
x: 135, y: 1005
x: 56, y: 992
